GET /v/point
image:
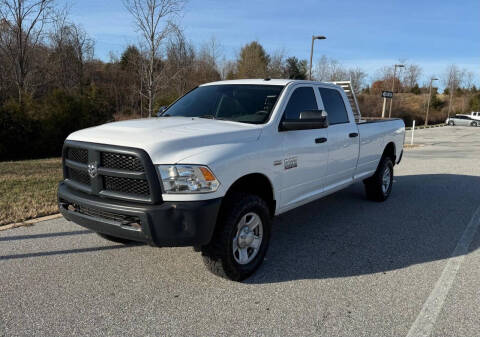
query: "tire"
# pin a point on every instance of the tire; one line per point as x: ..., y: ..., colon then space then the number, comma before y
x: 115, y: 239
x: 231, y: 253
x: 379, y: 186
x: 451, y: 123
x: 474, y: 124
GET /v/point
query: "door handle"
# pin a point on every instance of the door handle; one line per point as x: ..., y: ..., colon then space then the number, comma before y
x: 353, y: 135
x: 320, y: 140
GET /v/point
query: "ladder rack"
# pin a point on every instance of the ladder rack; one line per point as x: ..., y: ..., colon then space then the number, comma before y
x: 347, y: 87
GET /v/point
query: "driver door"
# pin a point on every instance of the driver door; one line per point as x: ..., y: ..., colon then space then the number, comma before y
x: 305, y: 152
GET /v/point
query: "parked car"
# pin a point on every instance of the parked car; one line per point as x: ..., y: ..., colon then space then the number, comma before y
x: 221, y: 162
x: 462, y: 120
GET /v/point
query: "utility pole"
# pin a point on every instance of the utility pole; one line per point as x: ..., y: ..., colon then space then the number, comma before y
x: 318, y: 37
x: 393, y: 86
x: 429, y: 98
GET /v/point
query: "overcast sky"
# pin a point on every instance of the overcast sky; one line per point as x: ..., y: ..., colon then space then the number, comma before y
x: 367, y: 33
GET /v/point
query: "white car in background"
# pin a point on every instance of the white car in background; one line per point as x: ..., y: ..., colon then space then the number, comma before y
x: 462, y: 120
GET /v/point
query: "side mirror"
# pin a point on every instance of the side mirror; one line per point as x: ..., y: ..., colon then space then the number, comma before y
x: 161, y: 111
x: 311, y: 119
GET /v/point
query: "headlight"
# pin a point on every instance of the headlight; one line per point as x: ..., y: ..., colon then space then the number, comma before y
x: 187, y: 179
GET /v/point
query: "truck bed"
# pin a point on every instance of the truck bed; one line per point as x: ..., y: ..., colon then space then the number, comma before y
x: 376, y: 120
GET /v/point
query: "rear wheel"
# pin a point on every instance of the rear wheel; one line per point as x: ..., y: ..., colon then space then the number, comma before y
x: 241, y: 239
x: 379, y: 186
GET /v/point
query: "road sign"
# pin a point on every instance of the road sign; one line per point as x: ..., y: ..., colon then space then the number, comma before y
x: 387, y: 94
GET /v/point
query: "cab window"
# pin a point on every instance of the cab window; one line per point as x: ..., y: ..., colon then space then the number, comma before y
x: 302, y: 99
x: 334, y: 106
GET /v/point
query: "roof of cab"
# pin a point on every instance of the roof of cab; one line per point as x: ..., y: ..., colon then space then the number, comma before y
x: 267, y: 81
x: 251, y: 81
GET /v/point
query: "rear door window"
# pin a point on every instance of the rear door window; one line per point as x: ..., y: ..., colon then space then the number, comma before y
x: 334, y: 106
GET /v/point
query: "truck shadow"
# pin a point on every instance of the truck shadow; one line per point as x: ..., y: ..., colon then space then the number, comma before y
x: 346, y: 235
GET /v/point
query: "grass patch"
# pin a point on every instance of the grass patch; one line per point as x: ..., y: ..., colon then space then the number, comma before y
x: 28, y: 189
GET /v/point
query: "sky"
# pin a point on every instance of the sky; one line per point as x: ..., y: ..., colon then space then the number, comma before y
x: 369, y: 34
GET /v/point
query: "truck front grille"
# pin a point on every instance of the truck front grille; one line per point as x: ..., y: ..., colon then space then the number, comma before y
x: 126, y: 185
x: 79, y: 176
x: 78, y: 155
x: 111, y: 171
x: 133, y: 222
x: 121, y: 162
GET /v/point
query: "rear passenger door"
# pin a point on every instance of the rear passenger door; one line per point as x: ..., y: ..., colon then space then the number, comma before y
x: 462, y: 120
x: 343, y: 139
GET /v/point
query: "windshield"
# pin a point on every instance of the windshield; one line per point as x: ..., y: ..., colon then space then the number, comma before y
x: 239, y: 103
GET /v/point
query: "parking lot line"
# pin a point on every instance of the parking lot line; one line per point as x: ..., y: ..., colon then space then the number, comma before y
x: 425, y: 322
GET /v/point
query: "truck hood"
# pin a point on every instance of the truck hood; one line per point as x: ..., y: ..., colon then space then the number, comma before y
x: 169, y: 140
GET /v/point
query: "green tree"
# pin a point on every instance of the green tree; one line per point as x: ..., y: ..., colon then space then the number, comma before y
x: 130, y: 58
x: 415, y: 89
x: 474, y: 104
x: 253, y: 61
x: 296, y: 69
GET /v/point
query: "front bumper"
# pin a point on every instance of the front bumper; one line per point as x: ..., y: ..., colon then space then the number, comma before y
x: 188, y: 223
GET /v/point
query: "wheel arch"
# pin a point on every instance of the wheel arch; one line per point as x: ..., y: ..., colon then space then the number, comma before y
x: 258, y: 184
x: 390, y: 151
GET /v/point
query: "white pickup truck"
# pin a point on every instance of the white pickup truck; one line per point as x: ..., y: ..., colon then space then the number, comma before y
x: 219, y: 163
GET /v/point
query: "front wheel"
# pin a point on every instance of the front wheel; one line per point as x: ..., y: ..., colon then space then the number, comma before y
x: 379, y: 186
x: 474, y: 124
x: 241, y: 238
x: 451, y: 123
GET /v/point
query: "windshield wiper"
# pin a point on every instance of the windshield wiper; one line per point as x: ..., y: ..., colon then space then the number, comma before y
x: 207, y: 116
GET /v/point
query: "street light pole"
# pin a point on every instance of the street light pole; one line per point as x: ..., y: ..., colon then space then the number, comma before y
x: 393, y: 87
x: 429, y: 98
x: 318, y: 37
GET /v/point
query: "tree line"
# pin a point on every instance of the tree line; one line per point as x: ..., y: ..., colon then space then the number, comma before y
x: 51, y: 84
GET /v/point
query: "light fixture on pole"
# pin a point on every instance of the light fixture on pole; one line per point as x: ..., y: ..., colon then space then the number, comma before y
x: 393, y: 86
x: 429, y: 98
x: 318, y: 37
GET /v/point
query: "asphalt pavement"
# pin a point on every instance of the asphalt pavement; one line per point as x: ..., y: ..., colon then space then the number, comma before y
x: 340, y: 266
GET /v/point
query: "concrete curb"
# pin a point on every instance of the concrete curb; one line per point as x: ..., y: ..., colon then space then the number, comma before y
x: 30, y: 222
x: 426, y: 127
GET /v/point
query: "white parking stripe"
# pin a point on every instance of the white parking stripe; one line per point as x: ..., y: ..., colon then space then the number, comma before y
x: 425, y: 322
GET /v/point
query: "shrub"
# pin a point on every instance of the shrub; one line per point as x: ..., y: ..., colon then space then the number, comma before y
x: 38, y: 129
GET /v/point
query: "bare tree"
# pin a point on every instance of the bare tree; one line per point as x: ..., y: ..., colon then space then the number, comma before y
x: 276, y: 64
x: 212, y: 50
x: 180, y: 63
x: 24, y: 22
x: 228, y: 69
x: 468, y: 83
x: 357, y: 77
x: 330, y: 70
x: 452, y: 79
x: 153, y: 19
x: 206, y: 63
x: 411, y: 75
x: 71, y: 49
